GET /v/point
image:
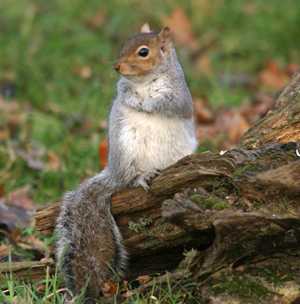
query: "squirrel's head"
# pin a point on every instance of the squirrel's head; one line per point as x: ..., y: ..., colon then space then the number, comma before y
x: 143, y: 53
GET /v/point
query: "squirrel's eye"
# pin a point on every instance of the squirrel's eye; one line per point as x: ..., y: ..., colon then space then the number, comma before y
x: 143, y: 52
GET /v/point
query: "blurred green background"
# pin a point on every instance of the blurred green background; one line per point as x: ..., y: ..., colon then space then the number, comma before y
x: 56, y: 64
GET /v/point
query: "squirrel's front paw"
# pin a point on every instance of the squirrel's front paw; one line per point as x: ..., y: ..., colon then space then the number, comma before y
x: 135, y: 101
x: 139, y: 103
x: 142, y: 179
x: 148, y: 105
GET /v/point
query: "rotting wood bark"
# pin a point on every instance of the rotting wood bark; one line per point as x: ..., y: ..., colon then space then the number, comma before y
x: 239, y: 236
x: 28, y: 271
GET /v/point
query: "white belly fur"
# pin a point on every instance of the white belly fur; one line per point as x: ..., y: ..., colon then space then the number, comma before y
x: 154, y: 141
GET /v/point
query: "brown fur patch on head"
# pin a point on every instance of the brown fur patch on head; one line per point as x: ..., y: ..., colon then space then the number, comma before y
x: 130, y: 64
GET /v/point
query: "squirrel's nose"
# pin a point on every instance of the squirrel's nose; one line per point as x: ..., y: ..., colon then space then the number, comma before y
x: 117, y: 67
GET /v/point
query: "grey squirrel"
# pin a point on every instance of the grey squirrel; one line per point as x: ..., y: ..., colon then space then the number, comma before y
x: 150, y: 127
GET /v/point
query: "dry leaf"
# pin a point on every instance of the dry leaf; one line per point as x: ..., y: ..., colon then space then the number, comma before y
x: 114, y: 286
x: 16, y: 234
x: 128, y: 294
x: 98, y: 20
x: 84, y: 71
x: 2, y: 190
x: 30, y: 247
x: 2, y: 134
x: 204, y: 132
x: 144, y: 279
x: 32, y: 162
x: 262, y: 104
x: 236, y: 125
x: 203, y: 65
x: 203, y: 114
x: 34, y: 240
x: 105, y: 289
x: 20, y: 198
x: 5, y: 249
x: 272, y: 77
x: 102, y: 152
x: 19, y: 209
x: 53, y: 162
x: 292, y: 68
x: 103, y: 125
x: 109, y: 288
x: 40, y: 289
x: 240, y: 268
x: 248, y: 204
x: 181, y: 27
x: 226, y: 129
x: 12, y: 216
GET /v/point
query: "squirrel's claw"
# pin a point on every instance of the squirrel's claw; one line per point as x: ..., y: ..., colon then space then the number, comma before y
x: 142, y: 179
x: 145, y: 185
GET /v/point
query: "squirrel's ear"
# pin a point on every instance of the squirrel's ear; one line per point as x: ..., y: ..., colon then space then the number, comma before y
x: 145, y: 28
x: 165, y: 36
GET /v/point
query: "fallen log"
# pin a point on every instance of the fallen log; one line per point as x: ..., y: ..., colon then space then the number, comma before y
x: 239, y: 210
x: 231, y: 180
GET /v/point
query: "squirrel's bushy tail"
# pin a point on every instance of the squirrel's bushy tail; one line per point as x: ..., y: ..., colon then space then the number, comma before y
x: 89, y: 247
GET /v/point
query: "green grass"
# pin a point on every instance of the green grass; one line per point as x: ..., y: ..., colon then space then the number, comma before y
x: 51, y: 290
x: 44, y: 43
x: 16, y: 291
x: 172, y: 292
